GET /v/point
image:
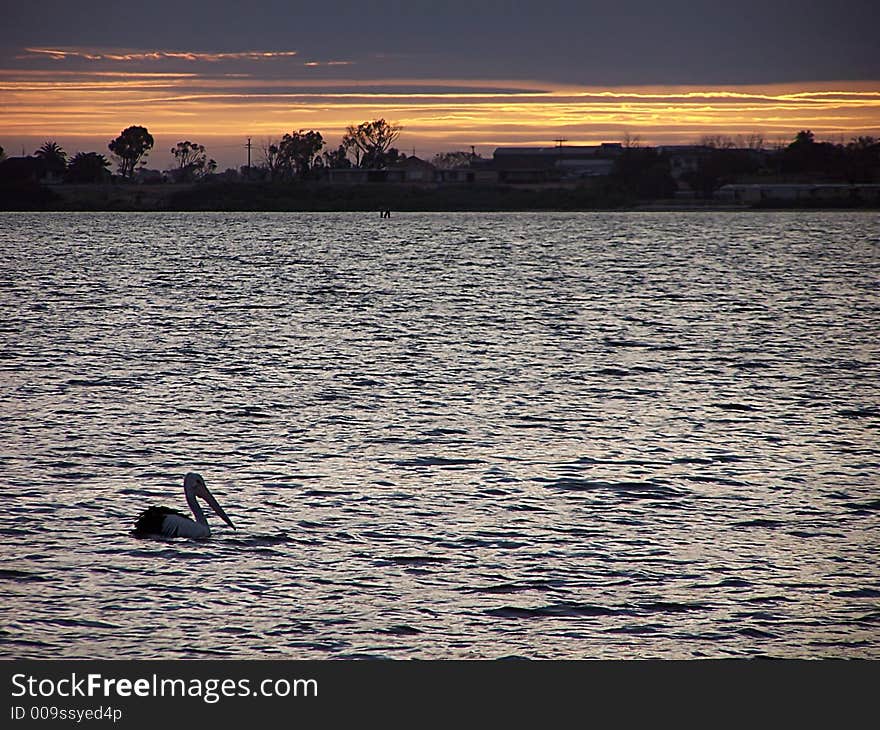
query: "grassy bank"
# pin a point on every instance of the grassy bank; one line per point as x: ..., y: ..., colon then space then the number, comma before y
x: 318, y: 197
x: 303, y: 197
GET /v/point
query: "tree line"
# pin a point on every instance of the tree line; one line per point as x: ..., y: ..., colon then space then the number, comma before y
x: 803, y: 160
x: 128, y: 150
x: 647, y: 173
x: 296, y: 155
x: 639, y: 172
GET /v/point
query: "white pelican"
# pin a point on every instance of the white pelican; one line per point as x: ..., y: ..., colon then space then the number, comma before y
x: 167, y: 522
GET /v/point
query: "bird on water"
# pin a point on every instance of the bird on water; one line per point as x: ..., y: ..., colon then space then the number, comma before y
x: 166, y: 522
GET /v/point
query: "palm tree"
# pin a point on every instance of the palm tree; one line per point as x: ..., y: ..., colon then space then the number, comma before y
x: 53, y: 157
x: 88, y: 167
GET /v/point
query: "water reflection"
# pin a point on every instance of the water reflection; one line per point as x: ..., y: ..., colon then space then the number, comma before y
x: 451, y: 435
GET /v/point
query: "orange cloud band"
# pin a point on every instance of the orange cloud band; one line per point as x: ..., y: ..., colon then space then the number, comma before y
x: 454, y: 110
x: 64, y: 53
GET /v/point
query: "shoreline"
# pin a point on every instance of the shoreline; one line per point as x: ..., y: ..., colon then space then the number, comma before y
x: 250, y: 197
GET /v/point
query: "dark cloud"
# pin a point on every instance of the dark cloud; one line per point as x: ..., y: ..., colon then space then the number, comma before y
x: 610, y: 43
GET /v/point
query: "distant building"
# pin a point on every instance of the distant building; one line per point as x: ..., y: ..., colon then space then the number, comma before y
x: 687, y: 159
x: 478, y: 171
x: 683, y: 158
x: 408, y: 170
x: 415, y: 170
x: 511, y: 165
x: 799, y: 192
x: 353, y: 175
x: 28, y: 170
x: 536, y: 165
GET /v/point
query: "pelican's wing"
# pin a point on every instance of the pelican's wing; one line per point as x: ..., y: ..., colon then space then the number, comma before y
x: 152, y: 520
x: 178, y: 525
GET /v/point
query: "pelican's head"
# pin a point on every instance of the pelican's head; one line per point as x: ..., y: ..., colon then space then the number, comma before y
x: 195, y: 485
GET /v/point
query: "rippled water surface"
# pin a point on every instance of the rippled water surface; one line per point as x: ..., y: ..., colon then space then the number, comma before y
x: 442, y: 435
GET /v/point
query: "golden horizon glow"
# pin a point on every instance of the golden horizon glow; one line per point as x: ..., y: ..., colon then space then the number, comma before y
x: 437, y: 113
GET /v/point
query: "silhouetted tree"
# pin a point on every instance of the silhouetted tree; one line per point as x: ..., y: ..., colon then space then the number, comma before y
x: 2, y: 154
x: 718, y: 142
x: 192, y: 161
x: 129, y: 147
x: 631, y: 141
x: 862, y: 143
x: 641, y: 172
x: 753, y: 141
x: 297, y: 152
x: 720, y: 165
x: 337, y: 159
x: 54, y: 158
x: 371, y: 142
x: 88, y: 167
x: 808, y: 158
x: 451, y: 160
x: 270, y: 157
x: 387, y: 159
x: 351, y: 148
x: 230, y: 174
x: 863, y: 160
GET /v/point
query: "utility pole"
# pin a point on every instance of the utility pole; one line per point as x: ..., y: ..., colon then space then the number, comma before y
x: 248, y: 145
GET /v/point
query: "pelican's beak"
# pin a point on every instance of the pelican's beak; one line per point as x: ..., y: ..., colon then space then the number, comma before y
x: 209, y: 498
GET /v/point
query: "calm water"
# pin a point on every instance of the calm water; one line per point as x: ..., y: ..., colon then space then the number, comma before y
x: 443, y: 435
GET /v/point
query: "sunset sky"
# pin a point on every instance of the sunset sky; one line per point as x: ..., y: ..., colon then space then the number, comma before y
x: 453, y: 74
